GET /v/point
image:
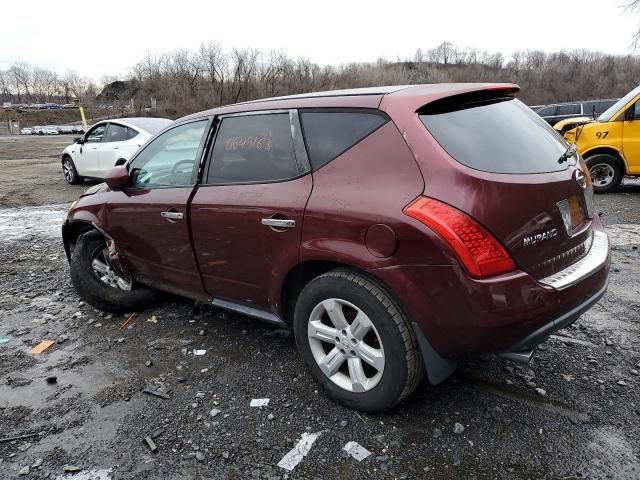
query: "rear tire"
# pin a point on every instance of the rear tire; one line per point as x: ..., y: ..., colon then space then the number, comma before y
x: 69, y: 171
x: 606, y: 172
x: 372, y: 361
x: 105, y: 294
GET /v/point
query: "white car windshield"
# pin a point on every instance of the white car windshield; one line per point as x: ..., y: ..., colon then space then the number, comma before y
x: 608, y: 114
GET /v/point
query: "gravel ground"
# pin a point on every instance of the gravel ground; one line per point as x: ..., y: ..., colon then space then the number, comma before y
x: 572, y: 413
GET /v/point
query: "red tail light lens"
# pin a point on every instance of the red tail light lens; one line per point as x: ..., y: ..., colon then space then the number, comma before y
x: 478, y: 251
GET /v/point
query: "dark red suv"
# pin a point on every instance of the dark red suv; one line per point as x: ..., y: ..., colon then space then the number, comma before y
x: 393, y: 228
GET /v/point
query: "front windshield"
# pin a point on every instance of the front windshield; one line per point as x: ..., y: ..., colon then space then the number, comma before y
x: 608, y: 114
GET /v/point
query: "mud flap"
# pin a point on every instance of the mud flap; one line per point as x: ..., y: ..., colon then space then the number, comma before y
x: 438, y: 368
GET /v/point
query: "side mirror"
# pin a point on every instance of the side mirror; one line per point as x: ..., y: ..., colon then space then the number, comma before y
x: 117, y: 177
x: 78, y: 140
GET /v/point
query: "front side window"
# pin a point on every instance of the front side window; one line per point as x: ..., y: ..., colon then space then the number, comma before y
x: 329, y: 133
x: 170, y: 159
x: 115, y: 133
x: 95, y: 134
x: 253, y: 149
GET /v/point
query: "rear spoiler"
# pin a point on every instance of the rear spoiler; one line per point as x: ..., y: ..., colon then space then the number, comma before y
x: 490, y: 94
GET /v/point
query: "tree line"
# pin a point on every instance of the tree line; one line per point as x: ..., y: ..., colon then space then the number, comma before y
x: 185, y: 81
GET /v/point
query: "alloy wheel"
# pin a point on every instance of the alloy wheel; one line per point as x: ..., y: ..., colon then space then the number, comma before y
x: 101, y: 265
x: 346, y: 345
x: 67, y: 170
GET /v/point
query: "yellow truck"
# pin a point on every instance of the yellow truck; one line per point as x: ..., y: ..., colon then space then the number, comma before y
x: 610, y: 144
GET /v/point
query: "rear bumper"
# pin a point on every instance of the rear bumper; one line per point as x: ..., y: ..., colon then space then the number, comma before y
x: 460, y: 315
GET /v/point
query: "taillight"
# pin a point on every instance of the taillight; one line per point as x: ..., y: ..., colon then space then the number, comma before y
x: 478, y: 251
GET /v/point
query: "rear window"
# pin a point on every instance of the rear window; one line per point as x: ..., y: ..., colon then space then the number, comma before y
x: 502, y: 136
x: 329, y: 133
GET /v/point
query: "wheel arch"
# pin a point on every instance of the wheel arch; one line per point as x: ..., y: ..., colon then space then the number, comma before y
x: 437, y: 368
x: 606, y: 151
x: 72, y: 231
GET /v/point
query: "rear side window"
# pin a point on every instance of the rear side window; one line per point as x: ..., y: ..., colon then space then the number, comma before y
x: 328, y: 133
x: 502, y: 136
x: 115, y: 133
x: 547, y: 111
x: 253, y: 149
x: 131, y: 133
x: 569, y: 109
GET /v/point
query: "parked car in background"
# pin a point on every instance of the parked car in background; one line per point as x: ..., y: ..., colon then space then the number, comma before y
x: 610, y: 144
x: 66, y: 129
x: 106, y: 143
x: 51, y: 130
x: 560, y: 111
x: 37, y: 130
x: 26, y: 131
x: 394, y: 228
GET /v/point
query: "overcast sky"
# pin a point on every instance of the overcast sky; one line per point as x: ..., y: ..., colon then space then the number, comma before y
x: 109, y: 37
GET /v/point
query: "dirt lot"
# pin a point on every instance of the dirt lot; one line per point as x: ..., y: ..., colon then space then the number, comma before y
x: 584, y: 424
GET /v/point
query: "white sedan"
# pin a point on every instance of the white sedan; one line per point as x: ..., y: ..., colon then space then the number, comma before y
x: 106, y: 144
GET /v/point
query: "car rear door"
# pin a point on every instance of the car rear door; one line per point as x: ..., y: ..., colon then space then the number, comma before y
x: 148, y: 219
x: 246, y: 217
x: 112, y: 147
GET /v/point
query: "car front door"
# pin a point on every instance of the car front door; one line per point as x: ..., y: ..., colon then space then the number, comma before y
x: 631, y: 139
x: 87, y: 157
x: 148, y: 220
x: 247, y: 215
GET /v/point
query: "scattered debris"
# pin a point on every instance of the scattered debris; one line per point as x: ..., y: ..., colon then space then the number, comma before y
x: 200, y: 456
x: 356, y: 450
x: 24, y: 470
x: 259, y: 402
x: 3, y: 341
x: 127, y: 321
x: 38, y: 463
x: 20, y: 437
x: 71, y: 468
x: 202, y: 333
x: 157, y: 432
x: 151, y: 444
x: 152, y: 319
x: 458, y: 428
x: 156, y: 393
x: 199, y: 352
x: 270, y: 417
x: 52, y: 379
x: 42, y: 346
x: 214, y: 412
x: 148, y: 363
x: 622, y: 383
x: 297, y: 453
x: 541, y: 391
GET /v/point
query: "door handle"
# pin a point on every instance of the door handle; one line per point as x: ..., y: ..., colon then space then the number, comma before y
x: 116, y: 148
x: 172, y: 216
x: 278, y: 223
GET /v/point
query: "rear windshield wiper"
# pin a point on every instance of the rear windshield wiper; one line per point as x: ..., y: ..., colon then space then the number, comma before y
x: 568, y: 153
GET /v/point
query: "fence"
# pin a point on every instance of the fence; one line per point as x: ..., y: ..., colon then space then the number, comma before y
x: 9, y: 127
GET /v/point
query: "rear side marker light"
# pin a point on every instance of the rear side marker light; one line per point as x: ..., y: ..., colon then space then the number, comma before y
x: 478, y: 251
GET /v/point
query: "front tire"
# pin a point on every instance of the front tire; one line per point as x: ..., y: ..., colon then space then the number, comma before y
x: 356, y: 342
x: 99, y: 285
x: 69, y: 171
x: 606, y: 172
